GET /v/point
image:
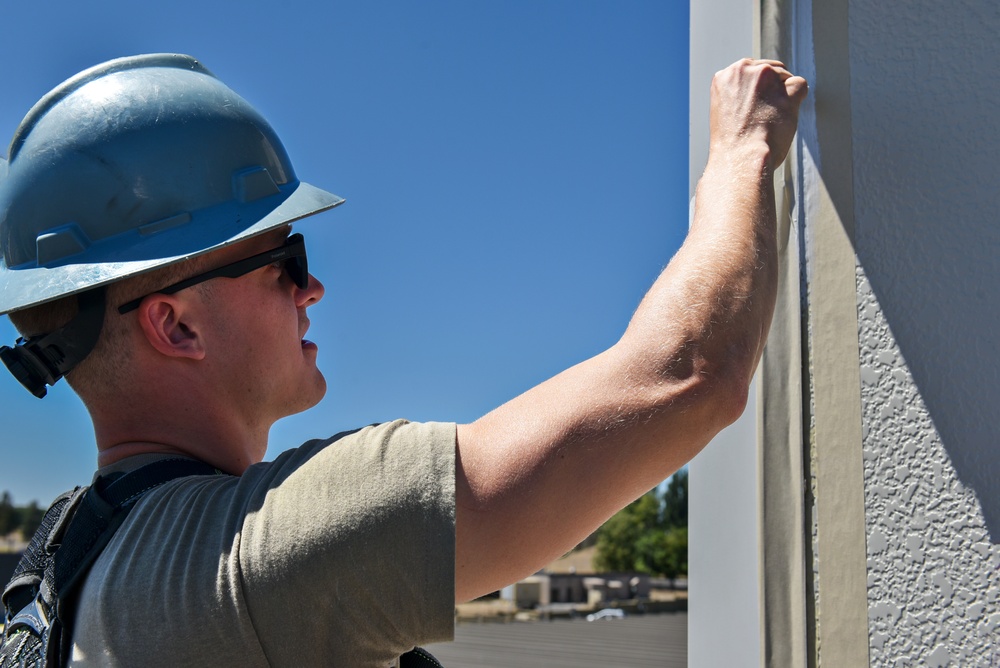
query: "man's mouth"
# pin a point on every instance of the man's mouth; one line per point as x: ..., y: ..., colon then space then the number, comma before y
x: 304, y: 327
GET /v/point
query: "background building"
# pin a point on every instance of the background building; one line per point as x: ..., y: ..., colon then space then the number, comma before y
x: 852, y: 517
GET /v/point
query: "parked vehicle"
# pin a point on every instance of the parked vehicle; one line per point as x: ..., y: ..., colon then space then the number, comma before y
x: 606, y: 613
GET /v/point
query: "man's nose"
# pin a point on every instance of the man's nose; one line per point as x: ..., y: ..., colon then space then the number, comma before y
x: 312, y: 293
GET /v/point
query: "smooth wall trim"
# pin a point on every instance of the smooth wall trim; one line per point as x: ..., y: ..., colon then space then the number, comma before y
x: 827, y: 624
x: 842, y: 601
x: 780, y: 466
x: 780, y: 443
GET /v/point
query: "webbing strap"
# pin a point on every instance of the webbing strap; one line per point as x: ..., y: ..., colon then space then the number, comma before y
x: 97, y: 517
x: 127, y: 488
x: 70, y: 540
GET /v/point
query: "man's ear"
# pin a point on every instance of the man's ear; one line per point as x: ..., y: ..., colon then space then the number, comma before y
x: 171, y: 327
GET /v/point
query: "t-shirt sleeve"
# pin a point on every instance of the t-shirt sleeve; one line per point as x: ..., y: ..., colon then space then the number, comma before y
x: 348, y: 547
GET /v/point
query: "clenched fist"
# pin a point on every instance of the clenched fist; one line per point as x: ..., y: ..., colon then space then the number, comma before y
x: 755, y: 103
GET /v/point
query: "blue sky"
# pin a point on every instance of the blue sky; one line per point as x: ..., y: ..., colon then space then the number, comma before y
x: 515, y: 175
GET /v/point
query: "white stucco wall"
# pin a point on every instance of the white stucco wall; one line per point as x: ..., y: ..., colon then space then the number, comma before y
x: 723, y: 564
x: 924, y: 96
x: 723, y: 607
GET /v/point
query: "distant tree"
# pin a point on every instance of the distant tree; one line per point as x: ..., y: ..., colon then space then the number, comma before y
x: 675, y: 500
x: 31, y: 519
x: 25, y: 519
x: 663, y: 552
x: 8, y: 515
x: 618, y: 539
x: 649, y: 535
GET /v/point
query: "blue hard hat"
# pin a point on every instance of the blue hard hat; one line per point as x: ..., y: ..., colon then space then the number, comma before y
x: 136, y: 164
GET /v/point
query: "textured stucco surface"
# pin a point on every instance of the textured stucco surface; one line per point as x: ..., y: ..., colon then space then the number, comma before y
x: 933, y: 571
x: 924, y: 93
x: 925, y: 89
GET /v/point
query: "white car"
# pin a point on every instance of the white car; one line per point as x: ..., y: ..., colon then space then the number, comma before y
x: 607, y: 613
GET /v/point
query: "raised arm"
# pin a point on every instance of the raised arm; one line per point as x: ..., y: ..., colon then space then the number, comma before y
x: 541, y: 472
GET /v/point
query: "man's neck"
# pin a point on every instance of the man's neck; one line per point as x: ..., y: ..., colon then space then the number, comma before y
x: 113, y: 454
x: 224, y: 441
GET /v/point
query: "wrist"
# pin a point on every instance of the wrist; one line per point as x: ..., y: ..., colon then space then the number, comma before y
x: 746, y: 163
x: 749, y: 155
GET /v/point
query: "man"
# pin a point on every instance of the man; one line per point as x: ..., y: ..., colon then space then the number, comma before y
x: 164, y: 282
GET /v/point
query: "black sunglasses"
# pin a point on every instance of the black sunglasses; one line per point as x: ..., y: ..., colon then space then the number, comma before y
x: 292, y: 253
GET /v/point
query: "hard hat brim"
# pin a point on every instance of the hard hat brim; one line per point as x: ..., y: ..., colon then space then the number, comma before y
x: 25, y: 287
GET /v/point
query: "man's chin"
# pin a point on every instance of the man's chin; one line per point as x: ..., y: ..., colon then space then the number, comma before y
x: 317, y: 392
x: 310, y: 392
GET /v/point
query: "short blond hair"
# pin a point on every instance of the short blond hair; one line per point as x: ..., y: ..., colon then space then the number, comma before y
x: 108, y: 366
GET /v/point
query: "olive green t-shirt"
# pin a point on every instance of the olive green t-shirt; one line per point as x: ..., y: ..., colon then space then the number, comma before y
x: 338, y: 553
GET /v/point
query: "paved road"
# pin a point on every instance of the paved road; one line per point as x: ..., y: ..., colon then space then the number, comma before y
x: 645, y: 641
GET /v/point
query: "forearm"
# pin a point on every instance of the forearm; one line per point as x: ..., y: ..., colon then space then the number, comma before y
x: 566, y: 455
x: 539, y: 473
x: 681, y: 372
x: 705, y: 320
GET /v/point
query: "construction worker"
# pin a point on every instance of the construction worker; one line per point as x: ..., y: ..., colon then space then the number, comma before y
x: 148, y: 257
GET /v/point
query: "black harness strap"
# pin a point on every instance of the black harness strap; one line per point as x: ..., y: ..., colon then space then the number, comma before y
x: 99, y: 514
x: 418, y: 657
x: 40, y: 596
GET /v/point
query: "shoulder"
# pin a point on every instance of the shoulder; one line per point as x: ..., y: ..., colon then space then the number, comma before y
x: 361, y: 525
x: 374, y: 448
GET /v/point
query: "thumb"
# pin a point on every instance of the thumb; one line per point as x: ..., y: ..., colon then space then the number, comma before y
x: 797, y: 88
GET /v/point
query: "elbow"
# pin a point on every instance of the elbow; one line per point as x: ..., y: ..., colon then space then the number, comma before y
x: 730, y: 399
x: 719, y: 398
x: 731, y: 383
x: 728, y: 371
x: 716, y: 391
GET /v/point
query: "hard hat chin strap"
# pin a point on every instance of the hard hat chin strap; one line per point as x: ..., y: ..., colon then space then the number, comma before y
x: 42, y: 360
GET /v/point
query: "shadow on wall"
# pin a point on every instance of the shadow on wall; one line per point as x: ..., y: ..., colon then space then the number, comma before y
x: 922, y: 209
x: 944, y: 325
x: 909, y: 468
